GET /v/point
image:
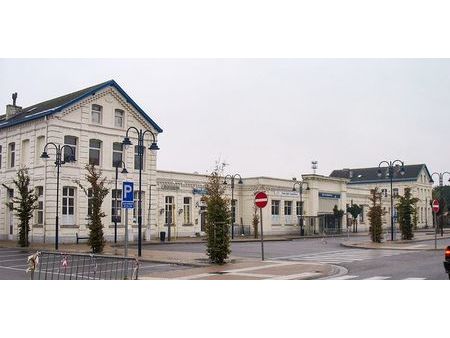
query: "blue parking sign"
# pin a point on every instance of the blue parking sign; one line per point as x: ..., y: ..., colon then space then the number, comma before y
x: 128, y: 195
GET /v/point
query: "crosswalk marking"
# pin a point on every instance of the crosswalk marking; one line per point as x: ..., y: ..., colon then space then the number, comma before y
x: 342, y: 256
x: 414, y: 278
x: 347, y: 277
x: 344, y: 277
x: 377, y: 278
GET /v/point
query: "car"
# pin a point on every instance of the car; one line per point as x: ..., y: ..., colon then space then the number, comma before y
x: 447, y: 261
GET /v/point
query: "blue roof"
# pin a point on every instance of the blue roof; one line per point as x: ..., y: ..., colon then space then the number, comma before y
x: 53, y: 106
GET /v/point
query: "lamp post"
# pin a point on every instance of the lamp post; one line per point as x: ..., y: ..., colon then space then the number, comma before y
x: 391, y: 167
x: 126, y: 142
x: 58, y: 162
x: 117, y: 165
x: 300, y: 188
x: 441, y: 184
x: 233, y: 204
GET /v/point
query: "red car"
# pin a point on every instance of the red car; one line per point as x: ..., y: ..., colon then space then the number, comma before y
x: 447, y: 261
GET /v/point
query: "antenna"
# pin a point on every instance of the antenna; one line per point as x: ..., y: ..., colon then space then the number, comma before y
x: 314, y: 166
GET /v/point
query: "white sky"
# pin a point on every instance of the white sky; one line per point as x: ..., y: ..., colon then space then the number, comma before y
x: 267, y: 116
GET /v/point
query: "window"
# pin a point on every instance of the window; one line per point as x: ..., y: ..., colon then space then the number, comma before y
x: 94, y: 151
x: 384, y: 192
x: 12, y: 154
x: 40, y: 205
x: 117, y: 154
x: 0, y: 157
x: 136, y: 158
x: 275, y: 207
x: 169, y: 209
x: 40, y: 141
x: 25, y: 153
x: 96, y: 114
x: 361, y: 215
x: 70, y: 142
x: 187, y: 210
x: 68, y: 206
x: 116, y: 210
x: 118, y: 118
x: 288, y: 208
x: 136, y: 206
x: 395, y: 192
x: 299, y: 207
x: 90, y: 200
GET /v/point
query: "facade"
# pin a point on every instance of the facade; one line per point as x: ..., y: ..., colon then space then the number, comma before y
x: 94, y: 121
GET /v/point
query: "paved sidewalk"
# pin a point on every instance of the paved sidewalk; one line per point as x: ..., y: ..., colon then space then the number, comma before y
x: 236, y: 268
x: 423, y: 240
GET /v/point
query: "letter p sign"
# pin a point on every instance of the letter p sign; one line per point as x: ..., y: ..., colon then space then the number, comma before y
x: 127, y: 195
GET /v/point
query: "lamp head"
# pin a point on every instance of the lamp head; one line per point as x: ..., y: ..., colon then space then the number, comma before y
x: 153, y: 146
x: 124, y: 171
x: 379, y: 172
x: 402, y: 170
x: 126, y: 142
x: 293, y: 189
x: 45, y: 155
x: 240, y: 181
x: 224, y: 182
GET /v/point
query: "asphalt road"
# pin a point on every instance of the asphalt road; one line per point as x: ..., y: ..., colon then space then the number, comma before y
x: 13, y: 265
x: 360, y: 263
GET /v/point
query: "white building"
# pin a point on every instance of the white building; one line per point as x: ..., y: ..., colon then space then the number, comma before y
x: 93, y: 122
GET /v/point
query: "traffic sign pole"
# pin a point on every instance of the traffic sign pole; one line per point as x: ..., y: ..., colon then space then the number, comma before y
x: 262, y: 234
x: 261, y: 201
x: 435, y: 230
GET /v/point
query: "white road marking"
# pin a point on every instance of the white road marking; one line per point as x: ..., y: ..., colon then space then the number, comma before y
x: 377, y: 278
x: 303, y: 275
x: 344, y: 277
x: 415, y: 278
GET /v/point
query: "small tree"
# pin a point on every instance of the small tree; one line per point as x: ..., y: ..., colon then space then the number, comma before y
x: 97, y: 193
x: 255, y: 221
x: 375, y: 215
x: 338, y: 214
x: 355, y: 210
x: 24, y: 205
x: 217, y: 219
x: 405, y: 208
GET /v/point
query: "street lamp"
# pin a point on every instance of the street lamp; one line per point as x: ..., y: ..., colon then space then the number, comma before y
x: 126, y: 142
x: 391, y: 167
x: 233, y: 204
x: 117, y: 165
x: 441, y: 177
x: 58, y: 162
x: 300, y: 187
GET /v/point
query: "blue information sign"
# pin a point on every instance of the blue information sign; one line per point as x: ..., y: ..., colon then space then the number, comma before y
x: 128, y: 195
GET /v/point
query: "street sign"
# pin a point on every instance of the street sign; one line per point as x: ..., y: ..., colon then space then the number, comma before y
x: 128, y: 195
x: 261, y: 199
x: 435, y: 206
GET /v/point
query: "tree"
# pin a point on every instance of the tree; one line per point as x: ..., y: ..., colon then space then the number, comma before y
x: 355, y: 210
x: 255, y: 221
x: 338, y: 214
x: 405, y: 209
x: 442, y: 194
x: 24, y: 205
x: 217, y: 219
x: 375, y: 215
x: 96, y: 193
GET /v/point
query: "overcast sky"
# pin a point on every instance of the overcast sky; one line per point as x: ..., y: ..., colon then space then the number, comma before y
x: 268, y: 117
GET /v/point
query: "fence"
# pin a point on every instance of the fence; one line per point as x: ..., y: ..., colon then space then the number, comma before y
x: 75, y: 266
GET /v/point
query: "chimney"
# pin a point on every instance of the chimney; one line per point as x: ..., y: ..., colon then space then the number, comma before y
x: 12, y: 109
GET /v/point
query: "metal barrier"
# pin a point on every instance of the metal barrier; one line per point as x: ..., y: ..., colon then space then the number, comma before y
x: 75, y: 266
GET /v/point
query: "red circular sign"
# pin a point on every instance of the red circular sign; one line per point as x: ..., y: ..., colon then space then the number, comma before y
x: 436, y: 206
x: 261, y: 199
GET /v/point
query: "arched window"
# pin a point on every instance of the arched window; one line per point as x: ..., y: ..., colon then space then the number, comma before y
x: 96, y: 114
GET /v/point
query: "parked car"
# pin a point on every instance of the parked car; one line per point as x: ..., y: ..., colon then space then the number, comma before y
x: 447, y: 261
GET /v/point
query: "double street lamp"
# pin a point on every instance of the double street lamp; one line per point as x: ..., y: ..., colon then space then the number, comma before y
x: 300, y: 189
x: 117, y: 165
x: 233, y: 204
x: 391, y: 167
x: 441, y: 177
x: 140, y: 153
x: 60, y: 160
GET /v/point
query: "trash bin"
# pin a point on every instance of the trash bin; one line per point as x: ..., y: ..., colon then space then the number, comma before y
x: 162, y: 236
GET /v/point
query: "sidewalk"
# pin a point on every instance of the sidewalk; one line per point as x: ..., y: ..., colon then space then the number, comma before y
x: 197, y: 265
x: 415, y: 244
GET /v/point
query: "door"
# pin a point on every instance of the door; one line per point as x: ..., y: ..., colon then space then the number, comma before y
x: 10, y: 214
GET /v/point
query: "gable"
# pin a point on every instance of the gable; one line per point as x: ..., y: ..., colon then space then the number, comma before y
x: 68, y: 101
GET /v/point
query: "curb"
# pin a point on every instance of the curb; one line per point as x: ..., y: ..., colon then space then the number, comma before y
x: 387, y: 248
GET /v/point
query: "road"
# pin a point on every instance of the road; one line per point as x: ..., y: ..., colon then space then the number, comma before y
x: 360, y: 263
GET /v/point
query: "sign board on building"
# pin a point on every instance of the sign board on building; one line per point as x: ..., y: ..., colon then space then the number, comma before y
x: 286, y: 193
x: 199, y: 191
x: 128, y: 195
x: 329, y: 195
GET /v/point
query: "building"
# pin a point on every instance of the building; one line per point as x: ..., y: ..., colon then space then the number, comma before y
x: 93, y: 122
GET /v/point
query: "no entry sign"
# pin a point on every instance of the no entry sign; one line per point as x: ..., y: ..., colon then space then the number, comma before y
x: 435, y: 206
x: 261, y: 199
